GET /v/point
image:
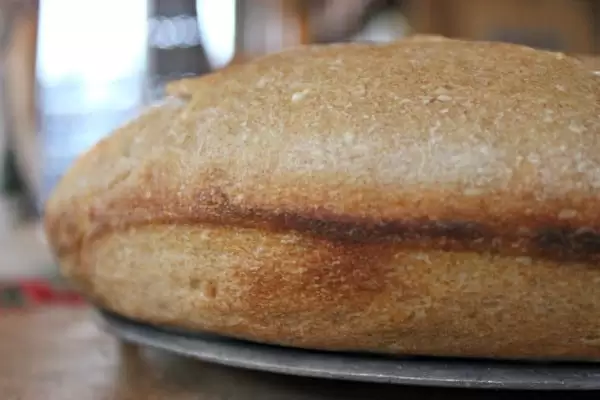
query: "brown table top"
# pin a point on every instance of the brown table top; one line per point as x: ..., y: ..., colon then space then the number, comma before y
x: 61, y: 354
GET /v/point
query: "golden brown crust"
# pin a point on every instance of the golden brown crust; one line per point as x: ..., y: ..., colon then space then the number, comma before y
x: 468, y: 151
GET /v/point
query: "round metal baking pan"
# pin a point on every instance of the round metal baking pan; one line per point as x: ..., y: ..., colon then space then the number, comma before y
x: 359, y: 367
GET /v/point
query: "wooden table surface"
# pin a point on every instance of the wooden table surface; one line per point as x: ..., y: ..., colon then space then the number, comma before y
x: 60, y: 354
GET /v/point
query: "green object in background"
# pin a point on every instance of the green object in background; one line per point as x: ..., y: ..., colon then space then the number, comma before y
x: 11, y: 296
x: 14, y: 186
x: 12, y: 182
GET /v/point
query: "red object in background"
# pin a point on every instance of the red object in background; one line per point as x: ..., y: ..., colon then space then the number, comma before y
x: 35, y: 292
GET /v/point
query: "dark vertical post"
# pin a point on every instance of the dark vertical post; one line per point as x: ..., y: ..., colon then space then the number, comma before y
x: 175, y: 45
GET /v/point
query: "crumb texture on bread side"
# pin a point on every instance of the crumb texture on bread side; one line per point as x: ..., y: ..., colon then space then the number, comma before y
x: 295, y: 290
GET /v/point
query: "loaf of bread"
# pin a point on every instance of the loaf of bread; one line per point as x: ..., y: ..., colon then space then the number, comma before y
x: 425, y: 197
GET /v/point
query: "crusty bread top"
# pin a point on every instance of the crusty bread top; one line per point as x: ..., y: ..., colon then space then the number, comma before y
x: 592, y: 62
x: 436, y: 138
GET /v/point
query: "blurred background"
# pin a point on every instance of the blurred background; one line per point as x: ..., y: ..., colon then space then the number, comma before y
x: 73, y: 70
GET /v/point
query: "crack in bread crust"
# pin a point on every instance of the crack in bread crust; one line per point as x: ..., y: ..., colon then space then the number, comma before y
x: 552, y: 242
